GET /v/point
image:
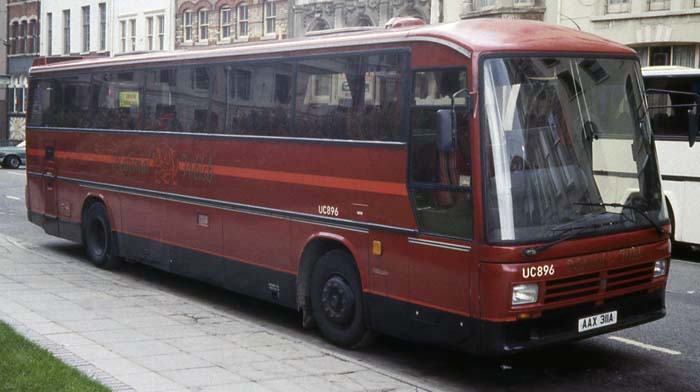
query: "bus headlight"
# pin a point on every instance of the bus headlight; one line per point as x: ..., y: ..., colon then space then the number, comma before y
x: 525, y: 293
x: 660, y: 268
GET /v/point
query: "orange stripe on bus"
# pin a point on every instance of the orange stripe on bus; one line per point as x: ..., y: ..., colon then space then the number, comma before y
x: 391, y: 188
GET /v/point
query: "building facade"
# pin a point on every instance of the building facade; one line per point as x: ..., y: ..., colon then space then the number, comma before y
x: 505, y: 9
x: 222, y: 22
x: 143, y: 26
x: 664, y: 32
x: 314, y: 15
x: 22, y: 48
x: 76, y: 27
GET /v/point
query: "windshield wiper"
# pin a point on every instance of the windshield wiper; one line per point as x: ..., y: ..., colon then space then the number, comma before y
x: 570, y: 232
x: 657, y: 226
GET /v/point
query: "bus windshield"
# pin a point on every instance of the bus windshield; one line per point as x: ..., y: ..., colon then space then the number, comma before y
x: 560, y: 135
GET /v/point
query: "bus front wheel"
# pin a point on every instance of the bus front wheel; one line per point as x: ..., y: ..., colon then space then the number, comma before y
x: 99, y: 242
x: 336, y: 300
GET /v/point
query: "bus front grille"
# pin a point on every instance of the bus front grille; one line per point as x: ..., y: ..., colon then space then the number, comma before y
x: 602, y: 282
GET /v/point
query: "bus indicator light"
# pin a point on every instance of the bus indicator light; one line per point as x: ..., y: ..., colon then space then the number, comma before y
x: 377, y: 248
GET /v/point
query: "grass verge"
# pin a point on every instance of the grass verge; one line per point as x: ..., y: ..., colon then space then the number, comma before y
x: 25, y: 366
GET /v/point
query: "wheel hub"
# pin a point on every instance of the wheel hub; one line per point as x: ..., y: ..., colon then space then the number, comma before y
x: 338, y: 300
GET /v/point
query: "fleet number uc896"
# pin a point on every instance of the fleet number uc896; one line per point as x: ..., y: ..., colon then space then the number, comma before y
x: 538, y: 271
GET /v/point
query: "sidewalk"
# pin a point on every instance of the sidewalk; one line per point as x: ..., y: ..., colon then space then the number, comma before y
x: 130, y: 336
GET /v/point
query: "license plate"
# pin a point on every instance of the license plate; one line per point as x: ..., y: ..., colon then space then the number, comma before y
x: 597, y: 321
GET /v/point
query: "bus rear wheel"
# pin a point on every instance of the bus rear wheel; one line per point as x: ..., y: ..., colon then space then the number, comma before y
x: 336, y: 300
x: 99, y: 242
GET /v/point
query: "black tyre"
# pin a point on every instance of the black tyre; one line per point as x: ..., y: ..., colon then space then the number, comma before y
x: 98, y: 238
x: 12, y: 162
x: 336, y: 300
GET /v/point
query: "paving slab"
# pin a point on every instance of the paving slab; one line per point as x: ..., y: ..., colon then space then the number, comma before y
x: 132, y: 335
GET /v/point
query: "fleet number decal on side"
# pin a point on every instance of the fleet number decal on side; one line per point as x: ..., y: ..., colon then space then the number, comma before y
x: 328, y: 210
x: 538, y: 272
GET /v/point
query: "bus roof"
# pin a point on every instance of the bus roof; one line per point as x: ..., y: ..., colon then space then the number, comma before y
x: 473, y: 36
x: 670, y: 71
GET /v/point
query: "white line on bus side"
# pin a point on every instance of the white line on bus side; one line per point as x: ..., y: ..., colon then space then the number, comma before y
x: 644, y: 345
x: 13, y: 197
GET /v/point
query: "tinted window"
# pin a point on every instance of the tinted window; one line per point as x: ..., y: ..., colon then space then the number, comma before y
x: 119, y: 100
x: 354, y: 97
x: 253, y: 99
x: 69, y: 102
x: 42, y: 109
x: 160, y: 113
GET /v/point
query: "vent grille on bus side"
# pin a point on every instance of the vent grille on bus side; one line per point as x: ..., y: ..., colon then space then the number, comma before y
x: 603, y: 282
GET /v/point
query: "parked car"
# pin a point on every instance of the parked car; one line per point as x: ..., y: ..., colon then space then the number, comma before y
x: 13, y: 157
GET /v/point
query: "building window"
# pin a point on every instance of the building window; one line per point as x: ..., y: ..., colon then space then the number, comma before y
x: 103, y: 26
x: 187, y: 16
x: 684, y: 55
x: 150, y: 31
x: 132, y: 31
x: 203, y: 21
x: 18, y: 105
x: 225, y: 23
x: 486, y: 3
x: 643, y: 54
x: 66, y: 31
x: 617, y: 6
x: 86, y: 29
x: 270, y: 16
x: 658, y: 5
x: 21, y: 47
x: 161, y: 32
x: 49, y: 34
x: 14, y: 35
x: 660, y: 55
x: 33, y: 43
x: 122, y: 35
x: 243, y: 20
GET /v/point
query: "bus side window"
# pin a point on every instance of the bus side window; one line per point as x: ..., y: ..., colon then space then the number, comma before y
x: 349, y: 98
x: 440, y: 181
x: 160, y: 110
x: 119, y: 100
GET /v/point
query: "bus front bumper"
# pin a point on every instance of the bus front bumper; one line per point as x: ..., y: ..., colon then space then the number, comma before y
x: 561, y: 325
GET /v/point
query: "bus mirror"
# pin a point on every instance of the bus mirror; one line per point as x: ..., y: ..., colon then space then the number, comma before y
x: 445, y: 129
x: 693, y: 115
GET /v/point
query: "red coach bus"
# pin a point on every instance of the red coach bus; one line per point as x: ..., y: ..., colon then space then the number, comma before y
x: 489, y: 185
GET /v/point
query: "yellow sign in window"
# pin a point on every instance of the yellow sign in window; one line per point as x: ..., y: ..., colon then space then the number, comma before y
x: 128, y: 99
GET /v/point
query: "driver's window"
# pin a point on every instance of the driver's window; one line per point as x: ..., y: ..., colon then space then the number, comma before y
x: 440, y: 180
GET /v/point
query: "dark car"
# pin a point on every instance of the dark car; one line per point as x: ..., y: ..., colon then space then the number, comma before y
x: 13, y: 157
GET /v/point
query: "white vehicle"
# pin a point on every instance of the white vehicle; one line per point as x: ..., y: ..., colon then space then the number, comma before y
x: 679, y: 164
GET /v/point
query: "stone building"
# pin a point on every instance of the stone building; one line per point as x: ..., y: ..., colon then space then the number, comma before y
x: 76, y: 27
x: 506, y: 9
x: 313, y: 15
x: 664, y: 32
x: 23, y: 48
x: 142, y: 26
x: 222, y: 22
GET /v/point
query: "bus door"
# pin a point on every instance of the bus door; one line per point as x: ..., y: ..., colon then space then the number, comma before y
x: 50, y: 190
x: 440, y: 189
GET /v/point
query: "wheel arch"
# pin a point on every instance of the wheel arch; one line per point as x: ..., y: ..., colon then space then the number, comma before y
x: 317, y: 245
x: 90, y: 199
